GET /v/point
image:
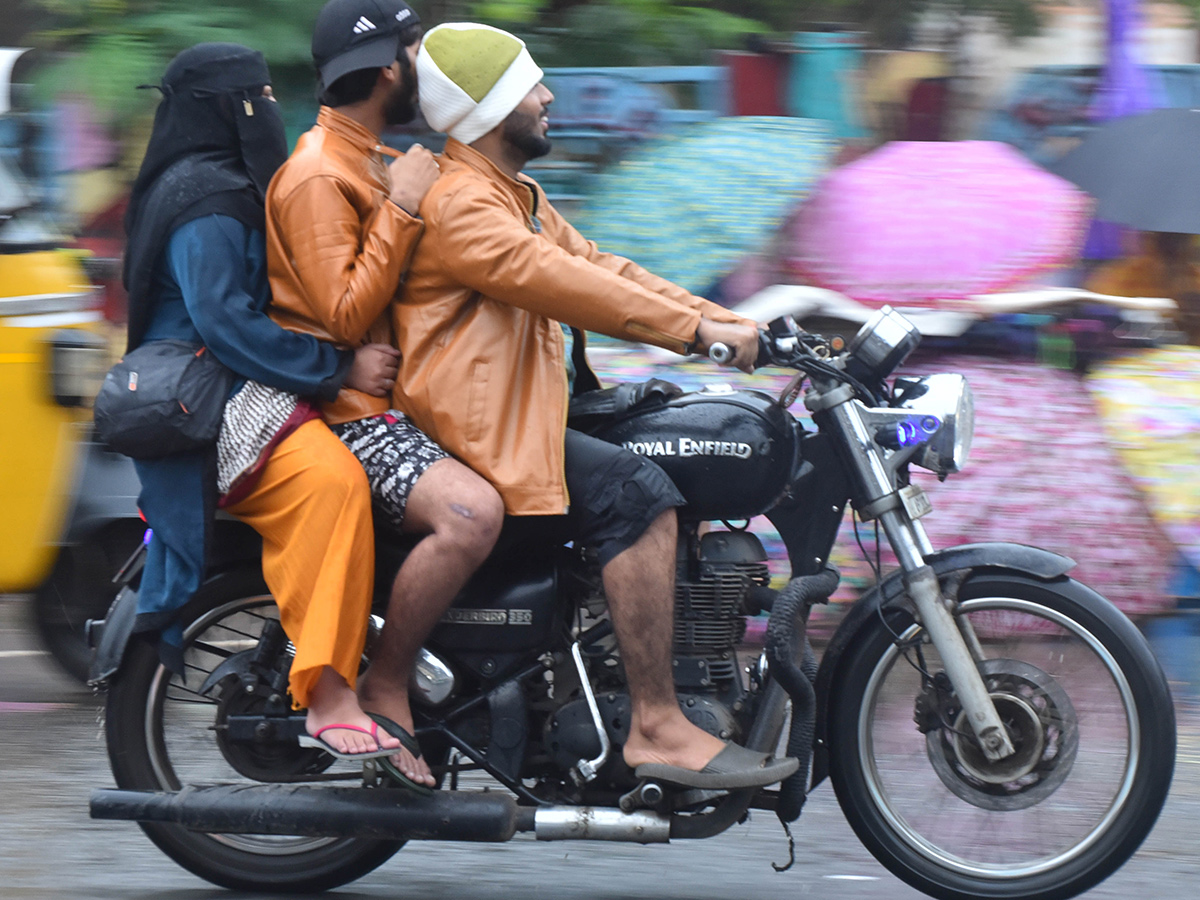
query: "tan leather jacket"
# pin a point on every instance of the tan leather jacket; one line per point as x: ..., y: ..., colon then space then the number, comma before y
x: 337, y: 248
x: 483, y: 370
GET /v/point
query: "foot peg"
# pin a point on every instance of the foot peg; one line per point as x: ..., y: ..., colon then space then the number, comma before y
x: 647, y: 795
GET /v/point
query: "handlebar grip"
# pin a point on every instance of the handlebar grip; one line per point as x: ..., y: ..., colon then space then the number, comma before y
x: 720, y: 353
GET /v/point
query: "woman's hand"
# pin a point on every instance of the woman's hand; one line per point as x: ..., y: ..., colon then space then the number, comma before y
x: 374, y: 370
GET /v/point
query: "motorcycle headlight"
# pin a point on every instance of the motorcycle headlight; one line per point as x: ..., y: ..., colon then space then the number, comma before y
x: 949, y: 399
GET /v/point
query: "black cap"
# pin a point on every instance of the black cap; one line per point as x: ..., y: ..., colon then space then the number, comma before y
x: 358, y: 34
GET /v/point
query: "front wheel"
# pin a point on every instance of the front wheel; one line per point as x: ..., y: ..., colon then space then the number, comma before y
x: 163, y: 734
x: 1089, y: 712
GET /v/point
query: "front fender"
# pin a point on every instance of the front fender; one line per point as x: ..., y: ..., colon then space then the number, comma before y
x: 1016, y: 558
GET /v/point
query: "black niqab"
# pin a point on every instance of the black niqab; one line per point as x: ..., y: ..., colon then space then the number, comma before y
x: 215, y: 144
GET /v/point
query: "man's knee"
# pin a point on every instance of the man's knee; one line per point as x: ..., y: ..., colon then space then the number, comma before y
x: 472, y: 517
x: 460, y: 507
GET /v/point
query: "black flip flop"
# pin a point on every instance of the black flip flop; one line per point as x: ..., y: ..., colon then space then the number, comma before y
x: 732, y: 769
x: 409, y: 743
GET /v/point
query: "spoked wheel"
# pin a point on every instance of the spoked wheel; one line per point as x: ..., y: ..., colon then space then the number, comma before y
x: 163, y: 734
x: 1087, y: 709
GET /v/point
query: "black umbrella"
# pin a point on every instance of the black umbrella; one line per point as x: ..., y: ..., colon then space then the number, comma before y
x: 1143, y: 170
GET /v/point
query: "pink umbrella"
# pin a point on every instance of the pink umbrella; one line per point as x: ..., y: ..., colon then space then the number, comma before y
x: 919, y: 222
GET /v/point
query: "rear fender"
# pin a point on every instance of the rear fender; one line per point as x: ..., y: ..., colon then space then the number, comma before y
x: 1016, y: 558
x: 111, y: 636
x: 234, y: 544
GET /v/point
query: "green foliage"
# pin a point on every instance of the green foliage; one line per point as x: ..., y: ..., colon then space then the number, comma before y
x: 110, y: 46
x: 619, y: 32
x: 103, y: 49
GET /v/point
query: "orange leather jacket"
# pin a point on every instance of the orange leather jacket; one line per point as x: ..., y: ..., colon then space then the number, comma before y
x: 337, y: 248
x: 483, y: 371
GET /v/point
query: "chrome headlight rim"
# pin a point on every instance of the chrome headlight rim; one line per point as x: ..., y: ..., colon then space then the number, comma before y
x: 948, y: 397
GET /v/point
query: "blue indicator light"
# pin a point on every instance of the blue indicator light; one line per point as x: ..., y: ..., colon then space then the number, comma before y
x: 916, y: 431
x: 908, y: 434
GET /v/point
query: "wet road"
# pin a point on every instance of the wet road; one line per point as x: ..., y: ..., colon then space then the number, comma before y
x: 53, y: 755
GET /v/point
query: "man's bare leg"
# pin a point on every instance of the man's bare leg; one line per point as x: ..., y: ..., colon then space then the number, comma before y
x: 460, y: 515
x: 640, y: 585
x: 332, y: 702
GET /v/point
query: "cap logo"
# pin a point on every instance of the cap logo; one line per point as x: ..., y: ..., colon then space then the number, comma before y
x: 403, y: 14
x: 363, y: 25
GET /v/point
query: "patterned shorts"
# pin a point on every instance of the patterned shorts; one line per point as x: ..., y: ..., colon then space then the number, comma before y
x: 394, y: 453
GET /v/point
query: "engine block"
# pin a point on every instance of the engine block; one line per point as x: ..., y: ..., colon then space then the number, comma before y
x: 710, y: 595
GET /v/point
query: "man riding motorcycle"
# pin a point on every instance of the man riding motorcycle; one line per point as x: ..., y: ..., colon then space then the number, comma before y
x: 491, y: 337
x: 967, y: 757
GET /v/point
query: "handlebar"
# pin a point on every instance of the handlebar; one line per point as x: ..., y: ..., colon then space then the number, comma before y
x: 786, y: 345
x: 720, y: 353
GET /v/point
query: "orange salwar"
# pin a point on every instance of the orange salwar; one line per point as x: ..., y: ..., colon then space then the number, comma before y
x: 312, y: 507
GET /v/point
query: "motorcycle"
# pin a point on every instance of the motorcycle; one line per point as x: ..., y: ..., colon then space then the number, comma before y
x: 991, y: 727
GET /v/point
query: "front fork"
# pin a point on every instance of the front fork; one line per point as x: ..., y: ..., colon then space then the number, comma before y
x: 952, y: 635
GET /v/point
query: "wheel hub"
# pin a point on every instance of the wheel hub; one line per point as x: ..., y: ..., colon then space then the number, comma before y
x: 1024, y: 728
x: 264, y: 758
x: 1042, y: 725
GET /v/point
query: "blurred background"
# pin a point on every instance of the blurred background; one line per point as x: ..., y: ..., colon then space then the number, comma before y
x: 962, y: 160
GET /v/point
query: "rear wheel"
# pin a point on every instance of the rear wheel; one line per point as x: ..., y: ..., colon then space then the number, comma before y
x: 1087, y: 708
x: 161, y: 736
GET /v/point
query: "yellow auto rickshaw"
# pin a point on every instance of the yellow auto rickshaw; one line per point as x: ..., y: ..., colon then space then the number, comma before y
x: 53, y: 354
x: 69, y: 505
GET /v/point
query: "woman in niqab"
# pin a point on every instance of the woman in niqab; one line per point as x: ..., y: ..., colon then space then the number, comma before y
x: 195, y: 269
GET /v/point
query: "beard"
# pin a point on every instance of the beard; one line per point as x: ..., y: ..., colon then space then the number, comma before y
x: 520, y: 132
x: 401, y: 106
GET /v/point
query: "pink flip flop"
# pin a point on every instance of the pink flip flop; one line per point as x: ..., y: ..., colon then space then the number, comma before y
x: 315, y: 740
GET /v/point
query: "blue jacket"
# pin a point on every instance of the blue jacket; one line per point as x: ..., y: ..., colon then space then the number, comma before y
x: 210, y: 287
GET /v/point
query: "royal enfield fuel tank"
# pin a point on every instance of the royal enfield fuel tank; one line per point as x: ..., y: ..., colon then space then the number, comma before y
x: 729, y: 452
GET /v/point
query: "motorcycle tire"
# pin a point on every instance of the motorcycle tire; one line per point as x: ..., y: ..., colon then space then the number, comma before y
x: 1090, y: 713
x: 150, y: 712
x: 79, y: 588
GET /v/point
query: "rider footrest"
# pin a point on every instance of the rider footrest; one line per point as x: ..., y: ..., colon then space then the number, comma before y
x: 264, y: 728
x: 647, y: 795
